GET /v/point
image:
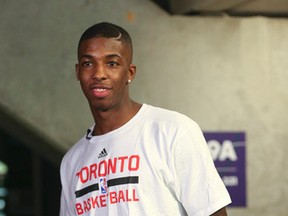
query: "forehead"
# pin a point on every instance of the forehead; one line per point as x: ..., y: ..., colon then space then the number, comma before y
x: 100, y: 45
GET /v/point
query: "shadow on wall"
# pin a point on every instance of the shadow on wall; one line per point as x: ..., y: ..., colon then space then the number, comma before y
x: 31, y: 184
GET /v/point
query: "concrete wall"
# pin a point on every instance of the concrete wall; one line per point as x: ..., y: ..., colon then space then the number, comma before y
x: 225, y: 73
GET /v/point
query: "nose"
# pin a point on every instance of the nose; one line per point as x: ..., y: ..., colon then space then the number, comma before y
x: 99, y: 72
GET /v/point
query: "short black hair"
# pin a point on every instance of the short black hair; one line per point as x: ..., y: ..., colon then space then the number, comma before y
x: 107, y: 30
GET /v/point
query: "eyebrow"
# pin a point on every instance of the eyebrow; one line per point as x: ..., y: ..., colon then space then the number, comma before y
x: 107, y: 56
x: 113, y: 55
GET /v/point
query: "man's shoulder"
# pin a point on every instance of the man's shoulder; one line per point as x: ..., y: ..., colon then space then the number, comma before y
x: 74, y: 151
x: 164, y: 115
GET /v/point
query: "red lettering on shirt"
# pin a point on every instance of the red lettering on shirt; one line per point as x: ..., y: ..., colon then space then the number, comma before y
x: 113, y: 197
x: 107, y: 167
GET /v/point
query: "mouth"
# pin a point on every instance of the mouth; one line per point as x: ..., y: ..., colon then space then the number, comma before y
x: 100, y: 91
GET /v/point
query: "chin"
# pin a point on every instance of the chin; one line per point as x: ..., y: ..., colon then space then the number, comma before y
x: 101, y: 106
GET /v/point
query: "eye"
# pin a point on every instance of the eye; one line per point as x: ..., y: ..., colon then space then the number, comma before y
x: 112, y: 64
x: 86, y: 64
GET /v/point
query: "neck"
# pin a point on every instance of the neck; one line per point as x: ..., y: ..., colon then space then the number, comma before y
x: 106, y: 121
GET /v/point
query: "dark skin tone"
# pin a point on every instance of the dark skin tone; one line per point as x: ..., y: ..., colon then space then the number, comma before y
x: 104, y: 69
x: 221, y: 212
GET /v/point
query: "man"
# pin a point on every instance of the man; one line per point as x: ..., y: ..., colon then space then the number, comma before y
x: 136, y: 159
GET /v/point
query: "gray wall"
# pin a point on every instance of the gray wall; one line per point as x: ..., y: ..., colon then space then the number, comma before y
x: 228, y: 74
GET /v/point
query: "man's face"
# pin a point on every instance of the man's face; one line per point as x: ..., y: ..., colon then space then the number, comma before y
x: 104, y: 68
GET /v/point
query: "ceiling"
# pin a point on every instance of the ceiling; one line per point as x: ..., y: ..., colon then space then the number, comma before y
x: 273, y: 8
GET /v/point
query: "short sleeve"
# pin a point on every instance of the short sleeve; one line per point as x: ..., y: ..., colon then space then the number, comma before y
x: 199, y: 186
x: 66, y: 205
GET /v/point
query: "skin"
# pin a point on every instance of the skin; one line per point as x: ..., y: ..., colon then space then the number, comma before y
x: 103, y: 70
x: 221, y: 212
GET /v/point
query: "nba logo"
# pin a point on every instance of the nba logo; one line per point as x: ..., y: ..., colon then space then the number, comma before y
x: 103, y: 185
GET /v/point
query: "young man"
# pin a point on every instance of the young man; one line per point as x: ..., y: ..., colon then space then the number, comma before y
x: 136, y: 159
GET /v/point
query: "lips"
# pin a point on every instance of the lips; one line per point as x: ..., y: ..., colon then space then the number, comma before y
x: 100, y: 91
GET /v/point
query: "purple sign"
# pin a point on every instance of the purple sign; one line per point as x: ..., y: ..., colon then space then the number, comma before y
x: 228, y: 152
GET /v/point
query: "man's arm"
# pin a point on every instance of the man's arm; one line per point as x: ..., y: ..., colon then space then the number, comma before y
x: 221, y: 212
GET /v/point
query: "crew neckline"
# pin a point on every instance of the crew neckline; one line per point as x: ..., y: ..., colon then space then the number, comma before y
x: 135, y: 118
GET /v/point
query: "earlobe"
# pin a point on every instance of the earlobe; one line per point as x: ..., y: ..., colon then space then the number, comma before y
x: 132, y: 72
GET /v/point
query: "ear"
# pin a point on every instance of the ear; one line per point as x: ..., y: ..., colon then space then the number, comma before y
x: 131, y: 72
x: 77, y: 71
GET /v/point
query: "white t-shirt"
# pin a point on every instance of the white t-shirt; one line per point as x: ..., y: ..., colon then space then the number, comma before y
x: 158, y: 163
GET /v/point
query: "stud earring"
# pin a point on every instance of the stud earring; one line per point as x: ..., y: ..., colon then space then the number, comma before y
x: 129, y: 81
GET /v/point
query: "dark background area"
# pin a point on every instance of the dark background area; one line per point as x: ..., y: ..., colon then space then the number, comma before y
x: 32, y: 182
